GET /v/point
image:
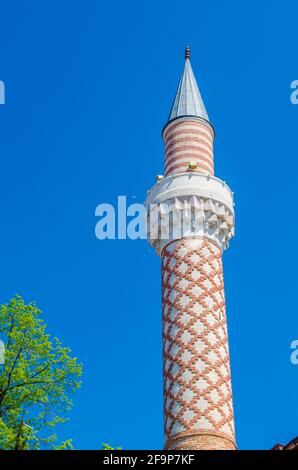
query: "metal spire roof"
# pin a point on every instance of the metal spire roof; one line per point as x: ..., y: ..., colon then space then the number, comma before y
x: 188, y: 100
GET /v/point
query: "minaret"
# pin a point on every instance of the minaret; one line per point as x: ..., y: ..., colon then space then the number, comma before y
x: 190, y: 221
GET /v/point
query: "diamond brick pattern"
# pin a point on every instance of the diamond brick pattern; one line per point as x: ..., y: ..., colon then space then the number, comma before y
x: 197, y: 382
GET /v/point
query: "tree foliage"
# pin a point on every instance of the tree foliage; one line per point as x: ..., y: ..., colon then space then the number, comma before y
x: 108, y: 447
x: 37, y: 380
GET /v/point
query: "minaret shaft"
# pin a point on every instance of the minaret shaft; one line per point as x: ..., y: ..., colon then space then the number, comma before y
x: 190, y: 223
x: 188, y: 140
x: 197, y: 384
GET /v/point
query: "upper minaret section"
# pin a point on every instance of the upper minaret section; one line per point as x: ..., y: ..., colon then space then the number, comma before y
x: 188, y: 100
x: 188, y: 134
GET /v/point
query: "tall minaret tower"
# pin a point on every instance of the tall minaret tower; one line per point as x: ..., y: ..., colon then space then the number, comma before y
x: 190, y: 222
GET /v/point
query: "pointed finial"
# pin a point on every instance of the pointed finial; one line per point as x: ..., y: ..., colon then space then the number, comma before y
x: 188, y: 100
x: 187, y: 52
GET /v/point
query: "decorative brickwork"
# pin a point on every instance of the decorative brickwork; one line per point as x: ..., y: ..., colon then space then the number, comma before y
x: 190, y: 223
x: 197, y: 382
x: 201, y: 440
x: 188, y: 140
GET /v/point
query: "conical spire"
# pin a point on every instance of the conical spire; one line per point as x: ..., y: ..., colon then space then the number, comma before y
x: 188, y: 100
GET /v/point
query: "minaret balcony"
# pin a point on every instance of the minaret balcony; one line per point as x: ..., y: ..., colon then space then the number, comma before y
x: 190, y: 205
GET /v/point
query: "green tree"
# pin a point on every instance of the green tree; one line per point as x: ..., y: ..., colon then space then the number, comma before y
x: 37, y: 380
x: 108, y: 447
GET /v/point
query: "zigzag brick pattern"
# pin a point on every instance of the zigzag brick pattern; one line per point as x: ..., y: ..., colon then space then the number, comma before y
x: 197, y: 382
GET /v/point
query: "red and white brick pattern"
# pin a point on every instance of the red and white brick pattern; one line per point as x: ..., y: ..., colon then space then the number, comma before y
x: 188, y: 140
x: 197, y: 382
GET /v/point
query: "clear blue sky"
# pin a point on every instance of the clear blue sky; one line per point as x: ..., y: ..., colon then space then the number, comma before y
x: 88, y: 88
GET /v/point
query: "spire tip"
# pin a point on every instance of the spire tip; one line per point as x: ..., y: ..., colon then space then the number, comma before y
x: 187, y: 52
